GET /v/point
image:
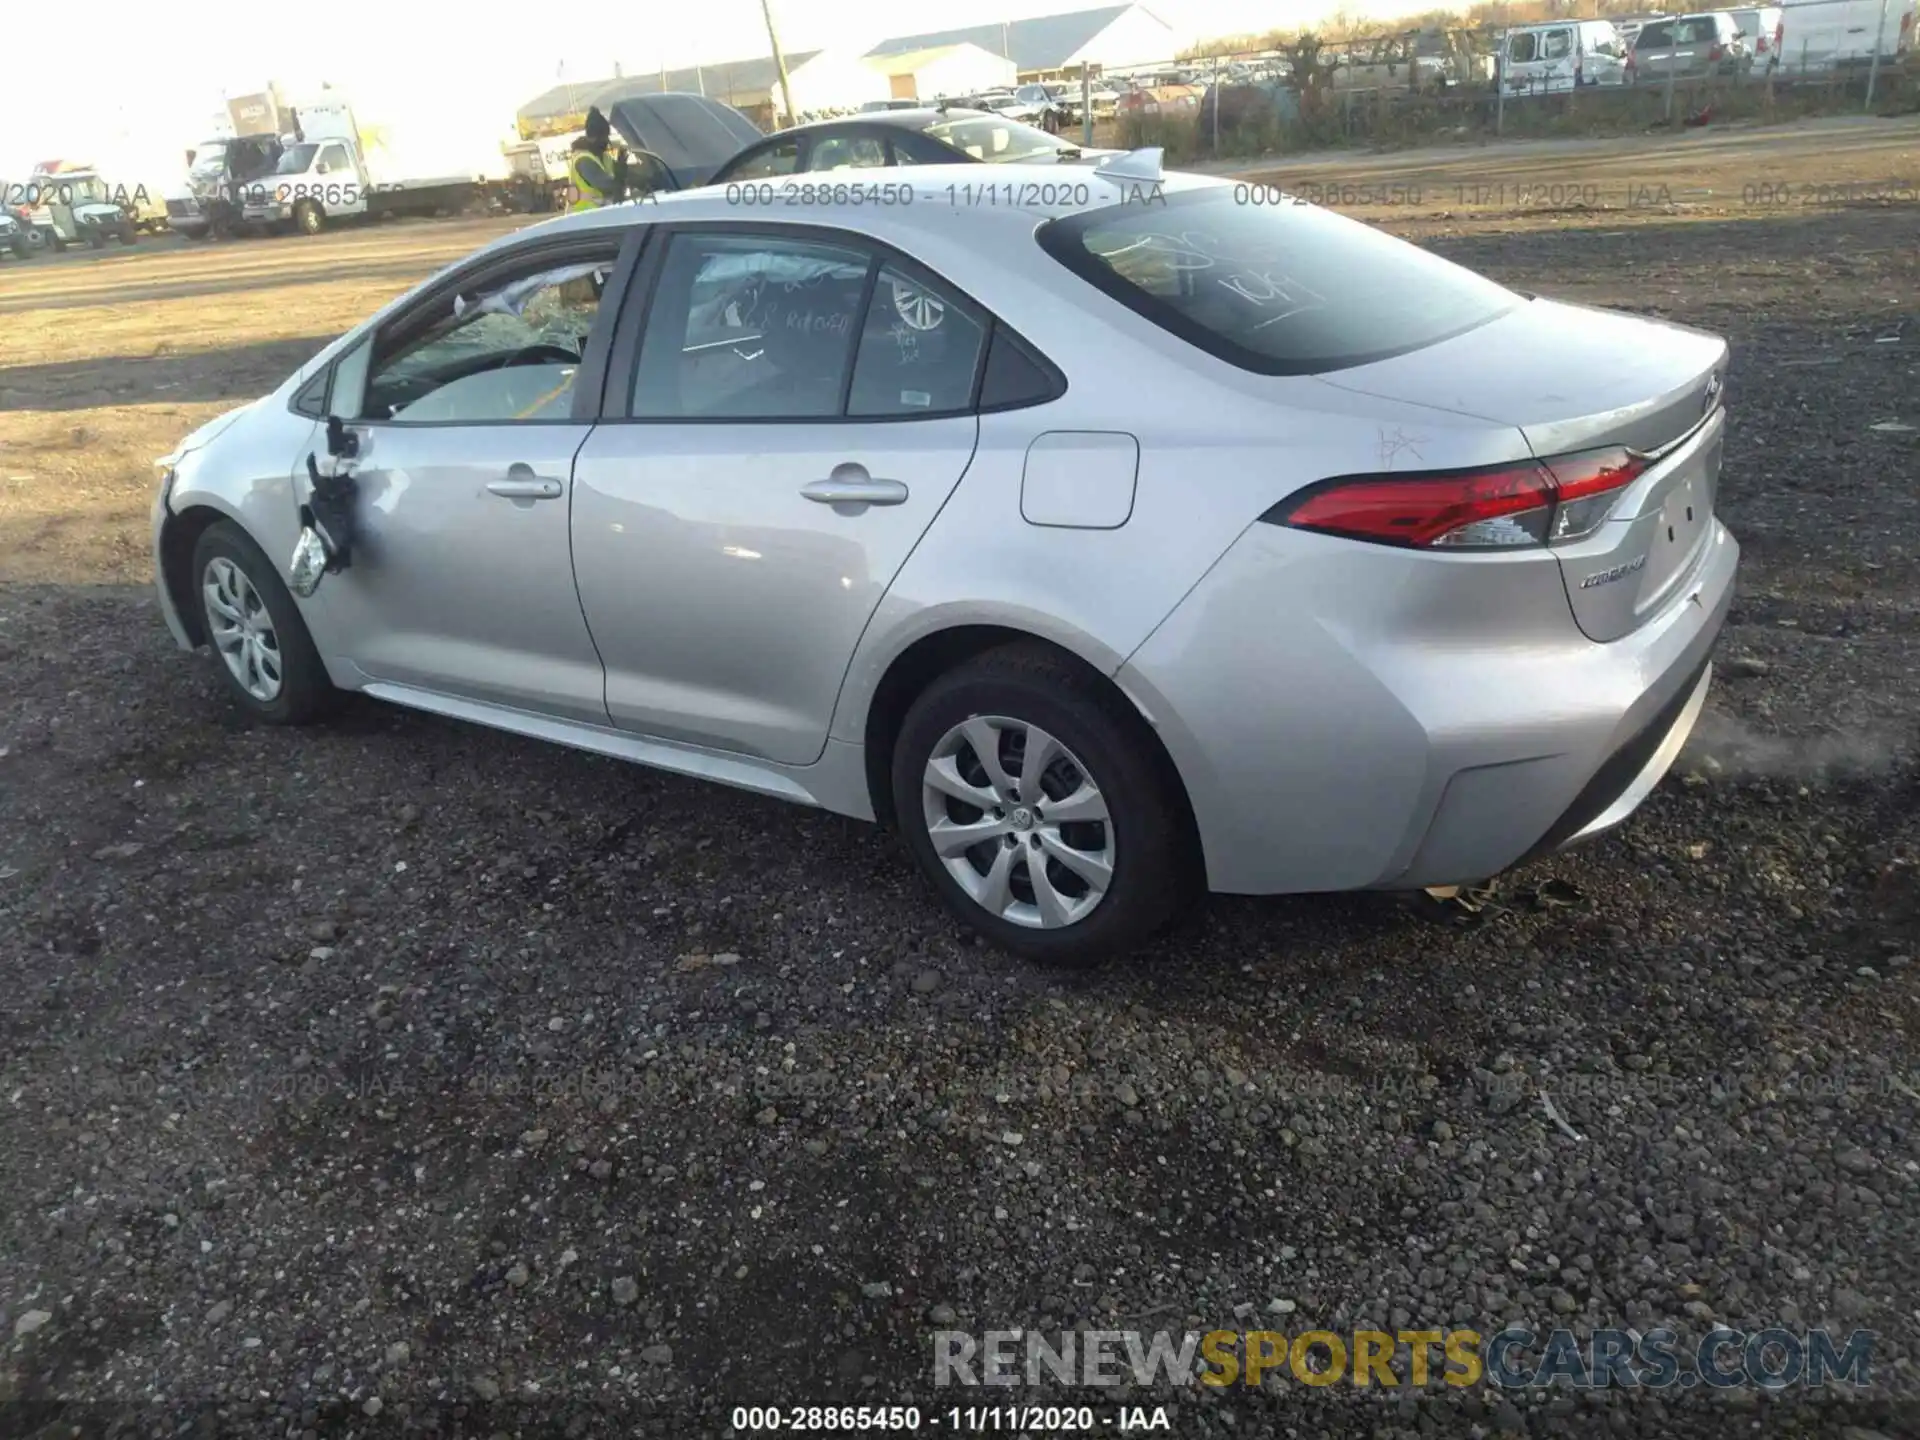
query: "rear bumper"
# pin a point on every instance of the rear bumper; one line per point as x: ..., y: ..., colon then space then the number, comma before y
x: 1631, y: 772
x: 1350, y: 717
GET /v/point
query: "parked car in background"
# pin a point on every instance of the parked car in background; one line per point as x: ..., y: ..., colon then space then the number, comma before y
x: 896, y: 515
x: 1551, y: 58
x: 1011, y: 105
x: 1689, y: 47
x: 1143, y: 101
x: 1842, y: 34
x: 1631, y: 25
x: 1055, y: 106
x: 68, y: 204
x: 13, y: 236
x: 938, y: 136
x: 896, y: 104
x: 1765, y: 31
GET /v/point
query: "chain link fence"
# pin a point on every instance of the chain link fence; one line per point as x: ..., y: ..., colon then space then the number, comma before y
x: 1425, y: 86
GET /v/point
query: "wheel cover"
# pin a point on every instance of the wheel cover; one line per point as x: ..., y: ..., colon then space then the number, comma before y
x: 242, y: 629
x: 1017, y: 821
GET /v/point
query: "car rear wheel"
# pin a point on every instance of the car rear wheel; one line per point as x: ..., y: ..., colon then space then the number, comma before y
x: 1034, y: 800
x: 259, y: 641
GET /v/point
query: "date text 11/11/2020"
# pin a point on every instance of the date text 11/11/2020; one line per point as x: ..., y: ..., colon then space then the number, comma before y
x: 1009, y: 194
x: 957, y: 1419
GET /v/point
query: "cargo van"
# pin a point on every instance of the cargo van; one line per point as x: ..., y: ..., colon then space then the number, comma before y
x: 1839, y: 34
x: 1562, y: 55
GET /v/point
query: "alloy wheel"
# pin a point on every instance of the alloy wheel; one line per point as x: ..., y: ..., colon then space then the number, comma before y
x: 1016, y: 819
x: 242, y: 629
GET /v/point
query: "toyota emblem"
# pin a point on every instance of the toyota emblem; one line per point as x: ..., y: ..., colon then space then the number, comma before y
x: 1713, y: 393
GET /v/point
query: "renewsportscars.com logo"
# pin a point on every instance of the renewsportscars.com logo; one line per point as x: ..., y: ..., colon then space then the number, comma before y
x: 1770, y: 1359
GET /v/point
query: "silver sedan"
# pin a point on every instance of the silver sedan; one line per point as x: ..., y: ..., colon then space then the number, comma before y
x: 1113, y: 538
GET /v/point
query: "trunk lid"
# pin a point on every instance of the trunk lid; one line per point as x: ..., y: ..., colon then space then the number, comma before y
x: 1571, y: 378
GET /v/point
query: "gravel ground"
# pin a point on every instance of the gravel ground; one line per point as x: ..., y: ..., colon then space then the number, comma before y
x: 400, y: 1074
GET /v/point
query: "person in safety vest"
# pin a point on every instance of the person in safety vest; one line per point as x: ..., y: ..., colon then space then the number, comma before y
x: 599, y: 178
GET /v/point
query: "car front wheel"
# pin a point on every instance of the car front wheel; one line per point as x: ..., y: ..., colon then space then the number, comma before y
x: 1035, y: 801
x: 259, y: 641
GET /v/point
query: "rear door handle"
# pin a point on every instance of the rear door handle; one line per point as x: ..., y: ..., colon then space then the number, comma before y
x: 522, y: 484
x: 851, y: 485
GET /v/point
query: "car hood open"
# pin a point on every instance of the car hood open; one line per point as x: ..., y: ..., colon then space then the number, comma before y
x: 692, y: 134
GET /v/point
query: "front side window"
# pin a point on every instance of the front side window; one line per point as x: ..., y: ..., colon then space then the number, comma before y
x: 1288, y: 289
x: 1523, y: 47
x: 334, y: 157
x: 297, y: 159
x: 506, y: 350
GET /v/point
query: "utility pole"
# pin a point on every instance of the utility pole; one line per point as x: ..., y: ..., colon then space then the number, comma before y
x: 1873, y: 71
x: 779, y: 62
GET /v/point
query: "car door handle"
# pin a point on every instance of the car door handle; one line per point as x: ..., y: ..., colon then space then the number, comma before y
x: 851, y: 485
x: 522, y: 484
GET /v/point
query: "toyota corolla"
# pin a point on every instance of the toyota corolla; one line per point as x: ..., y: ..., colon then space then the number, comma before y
x: 1113, y: 540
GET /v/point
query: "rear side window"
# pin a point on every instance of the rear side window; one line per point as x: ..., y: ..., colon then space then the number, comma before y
x: 1281, y: 289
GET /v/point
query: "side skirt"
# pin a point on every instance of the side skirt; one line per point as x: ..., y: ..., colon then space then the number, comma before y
x: 836, y: 781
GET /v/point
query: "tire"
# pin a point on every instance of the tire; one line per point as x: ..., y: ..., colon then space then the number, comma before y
x: 303, y: 692
x: 309, y: 218
x: 1146, y: 839
x: 96, y: 241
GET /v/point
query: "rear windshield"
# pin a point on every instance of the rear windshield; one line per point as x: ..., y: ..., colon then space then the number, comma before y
x: 1270, y: 283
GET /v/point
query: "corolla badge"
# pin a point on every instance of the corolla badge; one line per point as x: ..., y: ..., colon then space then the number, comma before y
x: 1618, y: 572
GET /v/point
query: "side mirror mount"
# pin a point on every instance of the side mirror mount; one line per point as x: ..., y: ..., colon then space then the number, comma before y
x: 326, y: 524
x: 342, y: 443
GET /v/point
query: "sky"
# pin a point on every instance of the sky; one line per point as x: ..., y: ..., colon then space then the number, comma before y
x: 144, y: 77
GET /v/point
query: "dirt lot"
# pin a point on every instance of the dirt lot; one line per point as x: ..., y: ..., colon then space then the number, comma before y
x: 405, y: 1070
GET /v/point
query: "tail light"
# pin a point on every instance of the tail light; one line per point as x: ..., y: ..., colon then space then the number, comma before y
x: 1716, y: 52
x: 1534, y: 502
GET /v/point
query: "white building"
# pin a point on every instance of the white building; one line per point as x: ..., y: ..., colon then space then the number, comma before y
x: 1052, y: 46
x: 943, y: 70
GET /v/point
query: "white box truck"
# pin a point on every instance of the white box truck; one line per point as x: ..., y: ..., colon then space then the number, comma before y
x: 337, y: 167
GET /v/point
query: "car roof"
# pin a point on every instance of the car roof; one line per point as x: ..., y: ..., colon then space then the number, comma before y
x: 1027, y: 195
